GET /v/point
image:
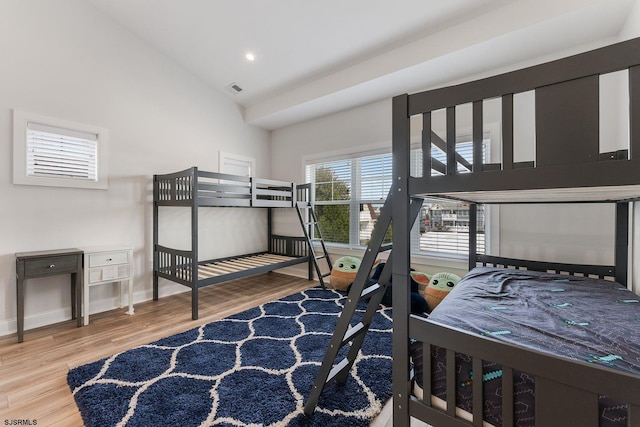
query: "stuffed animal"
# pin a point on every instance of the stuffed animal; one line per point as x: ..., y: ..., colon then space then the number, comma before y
x: 439, y: 287
x: 418, y: 280
x: 344, y: 272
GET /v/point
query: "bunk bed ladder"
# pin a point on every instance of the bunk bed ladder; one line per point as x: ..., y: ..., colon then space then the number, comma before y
x: 309, y: 222
x: 362, y: 289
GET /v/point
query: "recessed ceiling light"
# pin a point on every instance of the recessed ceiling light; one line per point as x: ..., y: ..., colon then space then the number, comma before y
x: 250, y: 57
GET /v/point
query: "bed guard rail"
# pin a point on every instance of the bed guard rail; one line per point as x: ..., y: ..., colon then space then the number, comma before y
x: 599, y: 271
x: 566, y: 390
x: 192, y: 186
x: 565, y: 112
x: 174, y: 264
x: 289, y: 245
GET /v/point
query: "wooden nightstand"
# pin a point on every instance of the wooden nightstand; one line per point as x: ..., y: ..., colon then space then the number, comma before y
x: 49, y: 263
x: 108, y: 264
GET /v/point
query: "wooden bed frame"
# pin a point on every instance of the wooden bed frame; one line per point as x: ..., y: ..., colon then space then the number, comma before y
x: 568, y: 167
x: 192, y: 189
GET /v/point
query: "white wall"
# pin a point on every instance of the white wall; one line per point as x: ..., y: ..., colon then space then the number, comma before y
x: 64, y: 59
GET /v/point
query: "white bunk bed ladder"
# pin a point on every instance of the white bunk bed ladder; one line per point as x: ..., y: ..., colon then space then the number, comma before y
x: 309, y: 222
x: 361, y: 290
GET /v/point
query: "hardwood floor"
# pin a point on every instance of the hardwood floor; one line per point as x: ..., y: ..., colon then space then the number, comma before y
x: 33, y: 373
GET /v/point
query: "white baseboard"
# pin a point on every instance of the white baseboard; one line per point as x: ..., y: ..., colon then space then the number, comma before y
x: 10, y: 326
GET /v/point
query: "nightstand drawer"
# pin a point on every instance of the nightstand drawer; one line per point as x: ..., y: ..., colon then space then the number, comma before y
x: 108, y: 258
x: 116, y: 272
x: 51, y: 265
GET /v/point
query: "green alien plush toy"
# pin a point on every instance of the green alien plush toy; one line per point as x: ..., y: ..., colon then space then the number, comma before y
x: 344, y: 272
x: 439, y: 287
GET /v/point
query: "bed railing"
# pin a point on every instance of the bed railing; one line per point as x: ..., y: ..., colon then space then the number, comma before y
x: 304, y: 193
x: 270, y: 193
x: 219, y: 189
x: 174, y: 264
x: 566, y: 391
x: 567, y: 108
x: 289, y: 246
x: 175, y: 188
x: 599, y: 271
x: 177, y: 265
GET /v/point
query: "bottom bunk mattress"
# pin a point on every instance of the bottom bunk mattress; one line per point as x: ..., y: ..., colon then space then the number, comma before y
x: 579, y: 318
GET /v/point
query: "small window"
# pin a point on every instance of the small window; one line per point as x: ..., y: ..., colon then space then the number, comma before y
x: 53, y: 152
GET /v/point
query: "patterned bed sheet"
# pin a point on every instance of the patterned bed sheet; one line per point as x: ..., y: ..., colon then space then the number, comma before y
x: 575, y: 317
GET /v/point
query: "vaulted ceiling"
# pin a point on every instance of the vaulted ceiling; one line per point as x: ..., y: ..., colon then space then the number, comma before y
x: 318, y: 57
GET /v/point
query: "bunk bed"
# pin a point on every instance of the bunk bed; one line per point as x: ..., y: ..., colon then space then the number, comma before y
x: 568, y: 167
x: 193, y: 189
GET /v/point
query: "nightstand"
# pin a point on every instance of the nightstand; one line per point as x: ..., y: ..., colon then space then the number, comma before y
x: 108, y: 264
x: 48, y: 263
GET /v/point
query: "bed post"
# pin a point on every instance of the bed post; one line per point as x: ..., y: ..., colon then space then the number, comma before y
x: 269, y: 230
x: 401, y: 259
x: 622, y: 242
x: 311, y: 199
x: 194, y: 244
x: 473, y: 235
x: 155, y: 237
x: 634, y: 112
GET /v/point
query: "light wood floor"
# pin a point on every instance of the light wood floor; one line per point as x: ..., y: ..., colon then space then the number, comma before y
x: 33, y: 373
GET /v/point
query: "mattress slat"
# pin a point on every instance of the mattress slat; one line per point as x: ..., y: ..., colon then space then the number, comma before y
x: 234, y: 265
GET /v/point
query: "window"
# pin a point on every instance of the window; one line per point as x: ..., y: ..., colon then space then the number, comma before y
x: 53, y: 152
x: 350, y: 193
x: 333, y: 190
x: 443, y: 225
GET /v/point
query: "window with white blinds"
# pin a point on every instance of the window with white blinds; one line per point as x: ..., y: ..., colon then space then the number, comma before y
x: 375, y: 177
x: 351, y: 192
x: 58, y: 153
x: 51, y: 152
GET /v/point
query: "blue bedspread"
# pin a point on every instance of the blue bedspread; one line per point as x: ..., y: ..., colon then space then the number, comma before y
x: 575, y: 317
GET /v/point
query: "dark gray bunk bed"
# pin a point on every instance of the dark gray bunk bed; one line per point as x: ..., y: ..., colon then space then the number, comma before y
x: 568, y: 167
x: 192, y: 189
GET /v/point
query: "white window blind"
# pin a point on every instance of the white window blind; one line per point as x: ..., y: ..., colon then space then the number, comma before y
x: 375, y: 177
x: 58, y: 153
x: 61, y: 153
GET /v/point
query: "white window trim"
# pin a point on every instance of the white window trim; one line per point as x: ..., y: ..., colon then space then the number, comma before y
x: 227, y: 158
x: 20, y: 177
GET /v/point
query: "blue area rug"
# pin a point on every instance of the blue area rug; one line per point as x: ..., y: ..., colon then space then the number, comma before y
x: 254, y: 368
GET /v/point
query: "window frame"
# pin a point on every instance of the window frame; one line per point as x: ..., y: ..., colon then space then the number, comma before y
x: 229, y: 163
x: 491, y: 214
x: 21, y: 120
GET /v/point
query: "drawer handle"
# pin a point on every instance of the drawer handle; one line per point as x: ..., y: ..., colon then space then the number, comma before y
x: 109, y: 259
x: 52, y: 266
